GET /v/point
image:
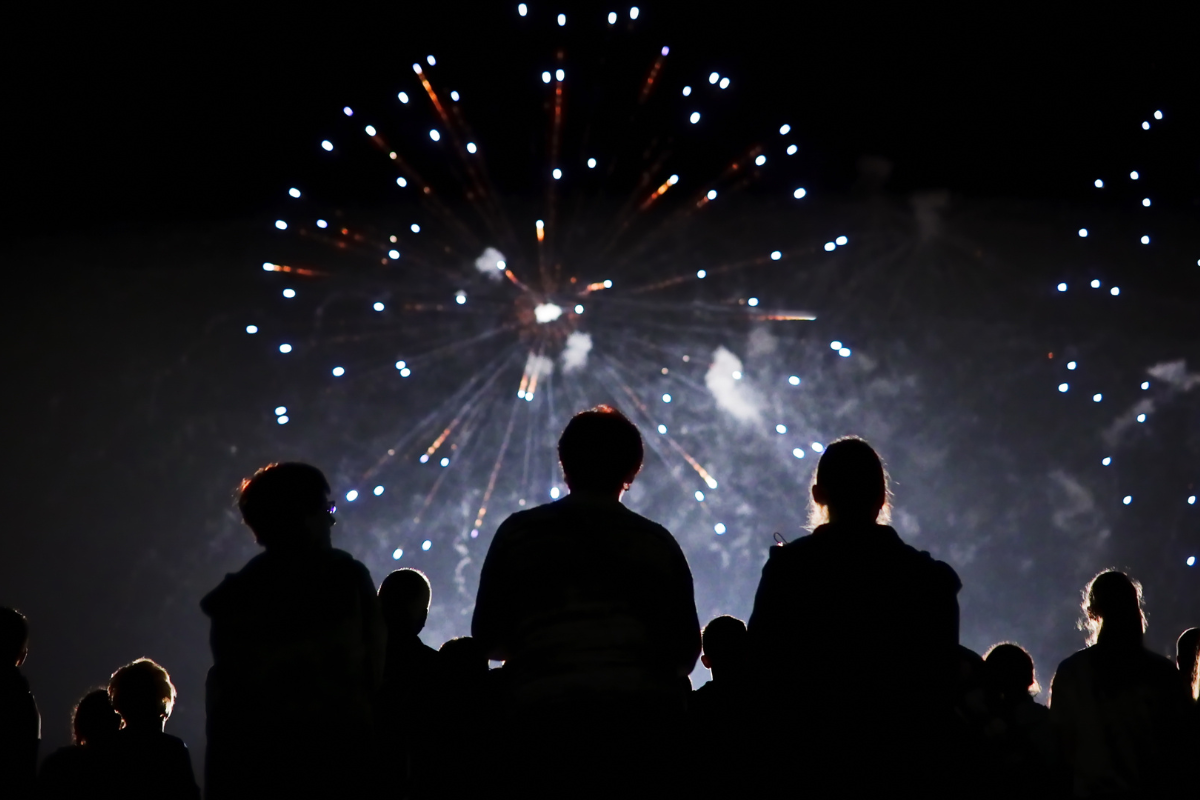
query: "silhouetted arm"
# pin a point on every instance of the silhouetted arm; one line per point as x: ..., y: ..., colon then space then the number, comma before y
x: 683, y: 623
x: 492, y: 618
x: 374, y: 629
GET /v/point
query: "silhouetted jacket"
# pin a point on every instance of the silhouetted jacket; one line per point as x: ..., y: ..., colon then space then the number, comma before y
x: 20, y: 733
x: 855, y: 634
x: 298, y: 643
x: 147, y: 765
x: 585, y: 598
x: 1122, y: 715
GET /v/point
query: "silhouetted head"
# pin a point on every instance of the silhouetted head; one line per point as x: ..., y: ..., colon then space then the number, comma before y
x: 850, y: 484
x: 94, y: 718
x: 724, y: 642
x: 404, y: 597
x: 600, y: 451
x: 14, y: 637
x: 1112, y: 608
x: 287, y: 505
x: 1187, y: 653
x: 142, y: 693
x: 463, y: 657
x: 1008, y: 671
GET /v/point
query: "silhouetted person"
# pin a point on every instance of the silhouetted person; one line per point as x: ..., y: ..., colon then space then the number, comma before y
x: 141, y: 760
x: 409, y: 674
x: 1119, y: 710
x: 20, y: 722
x: 1187, y: 653
x: 298, y: 643
x: 855, y: 725
x: 725, y: 652
x: 74, y: 771
x: 1021, y: 750
x: 591, y: 608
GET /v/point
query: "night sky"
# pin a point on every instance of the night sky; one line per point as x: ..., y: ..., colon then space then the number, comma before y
x: 144, y: 156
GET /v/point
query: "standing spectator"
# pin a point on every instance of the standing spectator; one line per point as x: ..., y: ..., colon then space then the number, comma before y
x: 404, y: 708
x: 1120, y: 711
x: 724, y: 654
x: 73, y: 772
x: 20, y: 722
x: 591, y: 607
x: 141, y: 761
x: 860, y: 725
x: 1020, y: 746
x: 298, y: 645
x: 1187, y: 653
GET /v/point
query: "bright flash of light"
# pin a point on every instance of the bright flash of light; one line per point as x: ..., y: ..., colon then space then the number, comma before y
x: 425, y: 545
x: 1133, y: 176
x: 724, y: 84
x: 402, y: 97
x: 541, y: 230
x: 1145, y: 385
x: 1071, y: 365
x: 753, y: 301
x: 1127, y: 499
x: 785, y: 129
x: 662, y: 429
x: 1145, y: 126
x: 830, y: 247
x: 327, y: 145
x: 841, y: 240
x: 794, y: 380
x: 713, y: 77
x: 798, y: 452
x: 760, y: 160
x: 431, y: 61
x: 687, y: 91
x: 799, y: 193
x: 1191, y: 561
x: 322, y: 223
x: 1063, y: 387
x: 781, y: 428
x: 415, y: 228
x: 719, y: 528
x: 666, y: 398
x: 548, y: 312
x: 791, y: 151
x: 460, y: 298
x: 282, y: 419
x: 695, y: 117
x: 545, y: 77
x: 296, y: 193
x: 1114, y: 291
x: 612, y: 18
x: 591, y: 162
x: 1095, y: 284
x: 1083, y: 233
x: 835, y: 345
x: 397, y: 554
x: 401, y: 182
x: 251, y: 329
x: 280, y: 410
x: 522, y: 9
x: 378, y: 306
x: 818, y: 447
x: 471, y: 148
x: 1145, y: 240
x: 554, y: 492
x: 1099, y: 184
x: 776, y: 255
x: 1096, y: 398
x: 281, y: 225
x: 1158, y: 115
x: 578, y: 308
x: 370, y: 129
x: 712, y: 194
x: 1141, y: 417
x: 562, y: 20
x: 844, y: 352
x: 1062, y: 287
x: 352, y: 495
x: 701, y: 273
x: 433, y: 134
x: 339, y: 372
x: 393, y: 254
x: 1106, y: 460
x: 699, y: 496
x: 445, y: 462
x: 348, y: 111
x: 1146, y: 202
x: 285, y: 348
x: 633, y: 12
x: 557, y: 173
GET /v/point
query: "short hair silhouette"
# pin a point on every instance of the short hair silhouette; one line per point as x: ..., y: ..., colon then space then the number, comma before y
x: 14, y: 636
x: 142, y: 692
x: 600, y: 450
x: 723, y: 640
x: 1112, y: 602
x: 404, y: 597
x: 854, y: 483
x: 278, y: 497
x: 1008, y: 670
x: 94, y: 718
x: 463, y: 656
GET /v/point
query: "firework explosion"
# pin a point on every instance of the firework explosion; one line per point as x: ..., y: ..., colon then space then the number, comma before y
x: 590, y: 235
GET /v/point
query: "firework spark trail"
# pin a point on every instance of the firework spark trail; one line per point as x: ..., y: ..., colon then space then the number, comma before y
x: 637, y: 401
x: 479, y: 195
x: 491, y: 484
x: 546, y: 254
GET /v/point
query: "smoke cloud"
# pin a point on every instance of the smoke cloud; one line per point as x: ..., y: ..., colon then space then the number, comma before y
x: 730, y: 390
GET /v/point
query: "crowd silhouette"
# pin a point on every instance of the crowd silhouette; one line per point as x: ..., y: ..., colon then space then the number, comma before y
x: 848, y: 679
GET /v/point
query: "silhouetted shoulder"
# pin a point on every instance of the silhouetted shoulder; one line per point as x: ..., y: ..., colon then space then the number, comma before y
x: 270, y: 570
x: 836, y: 542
